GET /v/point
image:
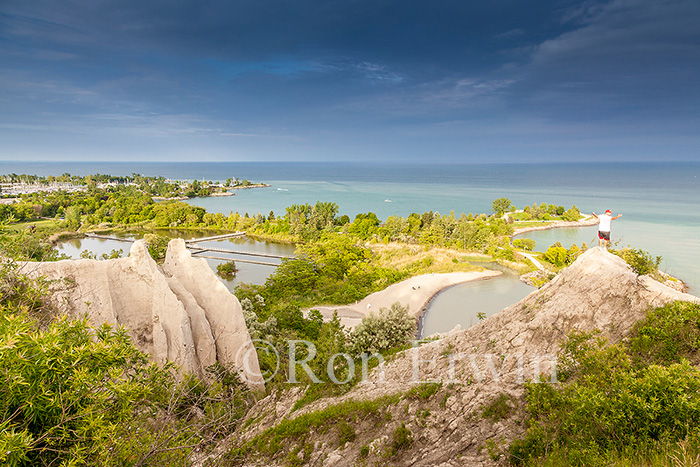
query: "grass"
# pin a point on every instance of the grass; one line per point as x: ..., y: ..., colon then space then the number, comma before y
x: 401, y: 439
x: 685, y: 453
x: 40, y: 224
x: 521, y: 224
x: 499, y: 408
x: 271, y: 440
x: 423, y: 391
x: 419, y: 259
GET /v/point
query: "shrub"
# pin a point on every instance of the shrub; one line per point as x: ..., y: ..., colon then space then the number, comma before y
x: 364, y: 451
x: 346, y: 434
x: 65, y: 388
x: 157, y: 245
x: 498, y: 408
x: 424, y: 391
x: 667, y: 335
x: 608, y: 404
x: 639, y: 260
x: 401, y: 439
x: 556, y: 255
x: 572, y: 214
x: 526, y: 244
x: 391, y: 327
x: 227, y: 270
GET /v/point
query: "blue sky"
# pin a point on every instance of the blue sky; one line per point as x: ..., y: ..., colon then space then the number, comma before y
x: 351, y: 80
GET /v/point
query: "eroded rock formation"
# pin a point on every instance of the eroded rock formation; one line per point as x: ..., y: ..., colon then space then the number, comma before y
x: 179, y: 312
x: 475, y: 366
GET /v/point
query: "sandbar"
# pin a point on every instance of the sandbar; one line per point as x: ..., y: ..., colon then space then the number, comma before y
x: 588, y: 221
x: 416, y: 292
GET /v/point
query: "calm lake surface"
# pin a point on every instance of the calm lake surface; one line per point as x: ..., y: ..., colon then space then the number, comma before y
x: 462, y: 303
x: 658, y: 200
x: 247, y: 272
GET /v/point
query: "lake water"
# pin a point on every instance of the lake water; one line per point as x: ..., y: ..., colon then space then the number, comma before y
x: 658, y: 200
x: 247, y: 272
x: 466, y: 304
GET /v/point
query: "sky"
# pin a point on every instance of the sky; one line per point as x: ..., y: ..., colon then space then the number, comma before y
x: 351, y: 80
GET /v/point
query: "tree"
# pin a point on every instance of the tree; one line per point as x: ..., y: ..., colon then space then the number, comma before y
x: 526, y: 244
x: 572, y: 214
x: 157, y: 245
x: 501, y: 205
x: 334, y: 255
x: 557, y: 255
x: 364, y: 225
x: 323, y: 215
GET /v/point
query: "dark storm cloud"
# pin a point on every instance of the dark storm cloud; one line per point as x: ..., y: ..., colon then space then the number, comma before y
x: 315, y: 73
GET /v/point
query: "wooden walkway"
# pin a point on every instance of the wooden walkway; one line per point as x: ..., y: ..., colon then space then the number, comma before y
x: 215, y: 237
x: 199, y: 249
x: 237, y: 260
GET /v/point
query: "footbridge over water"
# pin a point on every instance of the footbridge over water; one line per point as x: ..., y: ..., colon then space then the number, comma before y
x: 198, y: 251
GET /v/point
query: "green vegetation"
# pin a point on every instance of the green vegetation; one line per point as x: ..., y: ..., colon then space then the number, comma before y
x: 289, y: 433
x: 113, y: 254
x: 157, y: 245
x: 640, y: 261
x: 401, y: 439
x: 308, y: 223
x: 390, y: 328
x: 499, y: 408
x: 547, y: 212
x: 559, y: 256
x: 502, y: 205
x: 346, y: 434
x: 619, y: 403
x: 72, y: 394
x: 668, y: 335
x: 424, y: 391
x: 109, y: 202
x: 526, y: 244
x: 227, y: 270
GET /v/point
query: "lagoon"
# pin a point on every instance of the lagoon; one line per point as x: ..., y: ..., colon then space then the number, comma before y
x: 247, y: 272
x: 467, y: 304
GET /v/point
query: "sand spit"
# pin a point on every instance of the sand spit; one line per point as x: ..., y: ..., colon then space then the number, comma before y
x: 415, y: 292
x: 586, y: 222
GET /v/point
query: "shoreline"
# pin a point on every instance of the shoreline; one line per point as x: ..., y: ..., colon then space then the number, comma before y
x: 254, y: 185
x: 586, y: 222
x: 415, y: 292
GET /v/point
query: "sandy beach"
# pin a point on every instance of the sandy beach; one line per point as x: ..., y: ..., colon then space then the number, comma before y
x: 416, y: 292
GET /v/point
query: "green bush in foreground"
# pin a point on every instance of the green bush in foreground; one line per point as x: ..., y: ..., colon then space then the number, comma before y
x: 617, y: 401
x: 65, y: 389
x: 75, y: 395
x: 391, y: 327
